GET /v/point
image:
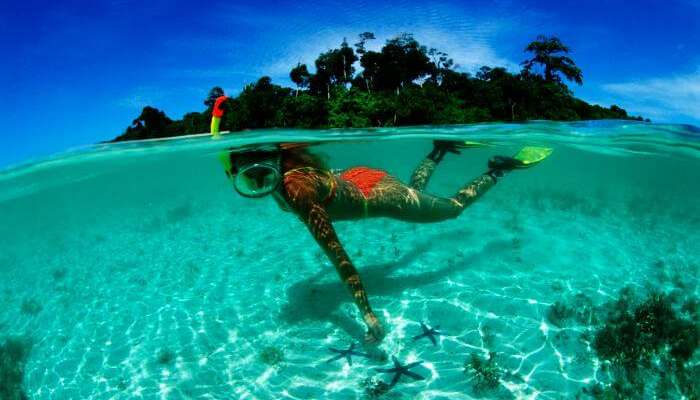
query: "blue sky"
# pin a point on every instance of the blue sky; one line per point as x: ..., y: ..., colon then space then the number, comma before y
x: 77, y: 72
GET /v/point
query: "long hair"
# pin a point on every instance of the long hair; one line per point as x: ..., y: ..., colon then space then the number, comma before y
x: 291, y: 155
x: 297, y: 155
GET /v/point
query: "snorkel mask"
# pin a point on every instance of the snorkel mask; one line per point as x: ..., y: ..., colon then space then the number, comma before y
x: 259, y: 178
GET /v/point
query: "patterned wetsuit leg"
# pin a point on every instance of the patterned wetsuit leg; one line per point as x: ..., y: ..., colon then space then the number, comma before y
x: 415, y: 206
x: 422, y: 174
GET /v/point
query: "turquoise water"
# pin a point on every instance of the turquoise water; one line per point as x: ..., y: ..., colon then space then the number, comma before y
x: 135, y: 271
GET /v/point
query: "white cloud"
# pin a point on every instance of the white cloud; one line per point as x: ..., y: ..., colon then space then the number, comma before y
x: 137, y: 101
x: 663, y: 98
x: 296, y: 32
x: 469, y: 50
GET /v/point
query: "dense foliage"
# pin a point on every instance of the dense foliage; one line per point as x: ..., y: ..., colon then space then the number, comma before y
x: 404, y: 83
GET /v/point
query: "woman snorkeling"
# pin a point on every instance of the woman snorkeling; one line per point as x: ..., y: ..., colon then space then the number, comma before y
x: 299, y: 182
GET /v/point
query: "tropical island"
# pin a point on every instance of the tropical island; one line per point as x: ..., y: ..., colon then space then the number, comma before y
x: 404, y: 83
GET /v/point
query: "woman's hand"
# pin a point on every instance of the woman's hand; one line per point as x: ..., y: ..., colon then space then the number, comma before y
x: 375, y: 332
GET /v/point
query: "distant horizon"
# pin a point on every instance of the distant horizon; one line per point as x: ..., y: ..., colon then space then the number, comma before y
x: 81, y: 73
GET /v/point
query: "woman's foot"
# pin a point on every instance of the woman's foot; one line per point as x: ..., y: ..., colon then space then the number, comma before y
x: 499, y: 165
x: 502, y: 163
x: 442, y: 147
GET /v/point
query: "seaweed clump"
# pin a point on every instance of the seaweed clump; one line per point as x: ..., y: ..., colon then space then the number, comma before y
x: 13, y: 356
x: 179, y: 213
x: 375, y: 388
x: 165, y: 357
x: 487, y: 373
x: 58, y: 274
x: 647, y: 337
x: 558, y: 313
x: 271, y: 356
x: 30, y: 307
x: 581, y: 310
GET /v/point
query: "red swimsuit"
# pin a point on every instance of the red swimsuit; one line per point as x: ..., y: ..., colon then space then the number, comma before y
x: 364, y: 179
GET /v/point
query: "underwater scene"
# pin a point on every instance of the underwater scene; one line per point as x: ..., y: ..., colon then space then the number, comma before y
x: 135, y: 270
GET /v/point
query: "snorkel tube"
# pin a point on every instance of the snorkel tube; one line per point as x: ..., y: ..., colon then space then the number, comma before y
x: 217, y: 112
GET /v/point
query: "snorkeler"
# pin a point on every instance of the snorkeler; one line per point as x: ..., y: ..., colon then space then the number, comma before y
x: 300, y: 182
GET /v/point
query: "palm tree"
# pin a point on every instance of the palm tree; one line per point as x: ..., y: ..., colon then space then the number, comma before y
x: 550, y: 52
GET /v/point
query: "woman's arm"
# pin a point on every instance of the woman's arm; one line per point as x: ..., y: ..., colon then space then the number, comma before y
x: 303, y: 196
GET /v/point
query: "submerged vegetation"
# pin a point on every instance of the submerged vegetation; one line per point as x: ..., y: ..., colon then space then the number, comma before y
x: 486, y: 372
x: 271, y: 356
x: 30, y: 307
x: 580, y: 309
x: 647, y: 345
x: 165, y: 356
x: 374, y: 388
x: 13, y: 356
x: 404, y: 83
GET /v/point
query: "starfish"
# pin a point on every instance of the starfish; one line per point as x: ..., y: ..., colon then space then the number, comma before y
x: 428, y: 332
x: 399, y: 370
x: 348, y: 353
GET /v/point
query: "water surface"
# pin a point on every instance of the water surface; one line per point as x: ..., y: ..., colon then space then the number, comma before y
x: 136, y: 271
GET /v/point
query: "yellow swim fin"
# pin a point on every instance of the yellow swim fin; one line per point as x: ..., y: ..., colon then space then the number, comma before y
x: 469, y: 144
x: 531, y: 155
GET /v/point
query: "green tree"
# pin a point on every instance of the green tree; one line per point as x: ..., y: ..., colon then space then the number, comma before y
x: 441, y: 64
x: 304, y: 111
x: 151, y: 123
x: 300, y: 76
x: 361, y: 81
x: 343, y: 68
x: 364, y: 38
x: 334, y: 67
x: 349, y: 109
x: 550, y: 53
x: 402, y: 84
x: 401, y: 61
x: 258, y: 106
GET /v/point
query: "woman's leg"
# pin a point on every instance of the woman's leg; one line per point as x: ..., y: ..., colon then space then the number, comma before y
x: 395, y: 200
x: 421, y: 175
x: 469, y: 193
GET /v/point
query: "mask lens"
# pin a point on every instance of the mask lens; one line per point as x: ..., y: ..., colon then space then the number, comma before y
x: 257, y: 180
